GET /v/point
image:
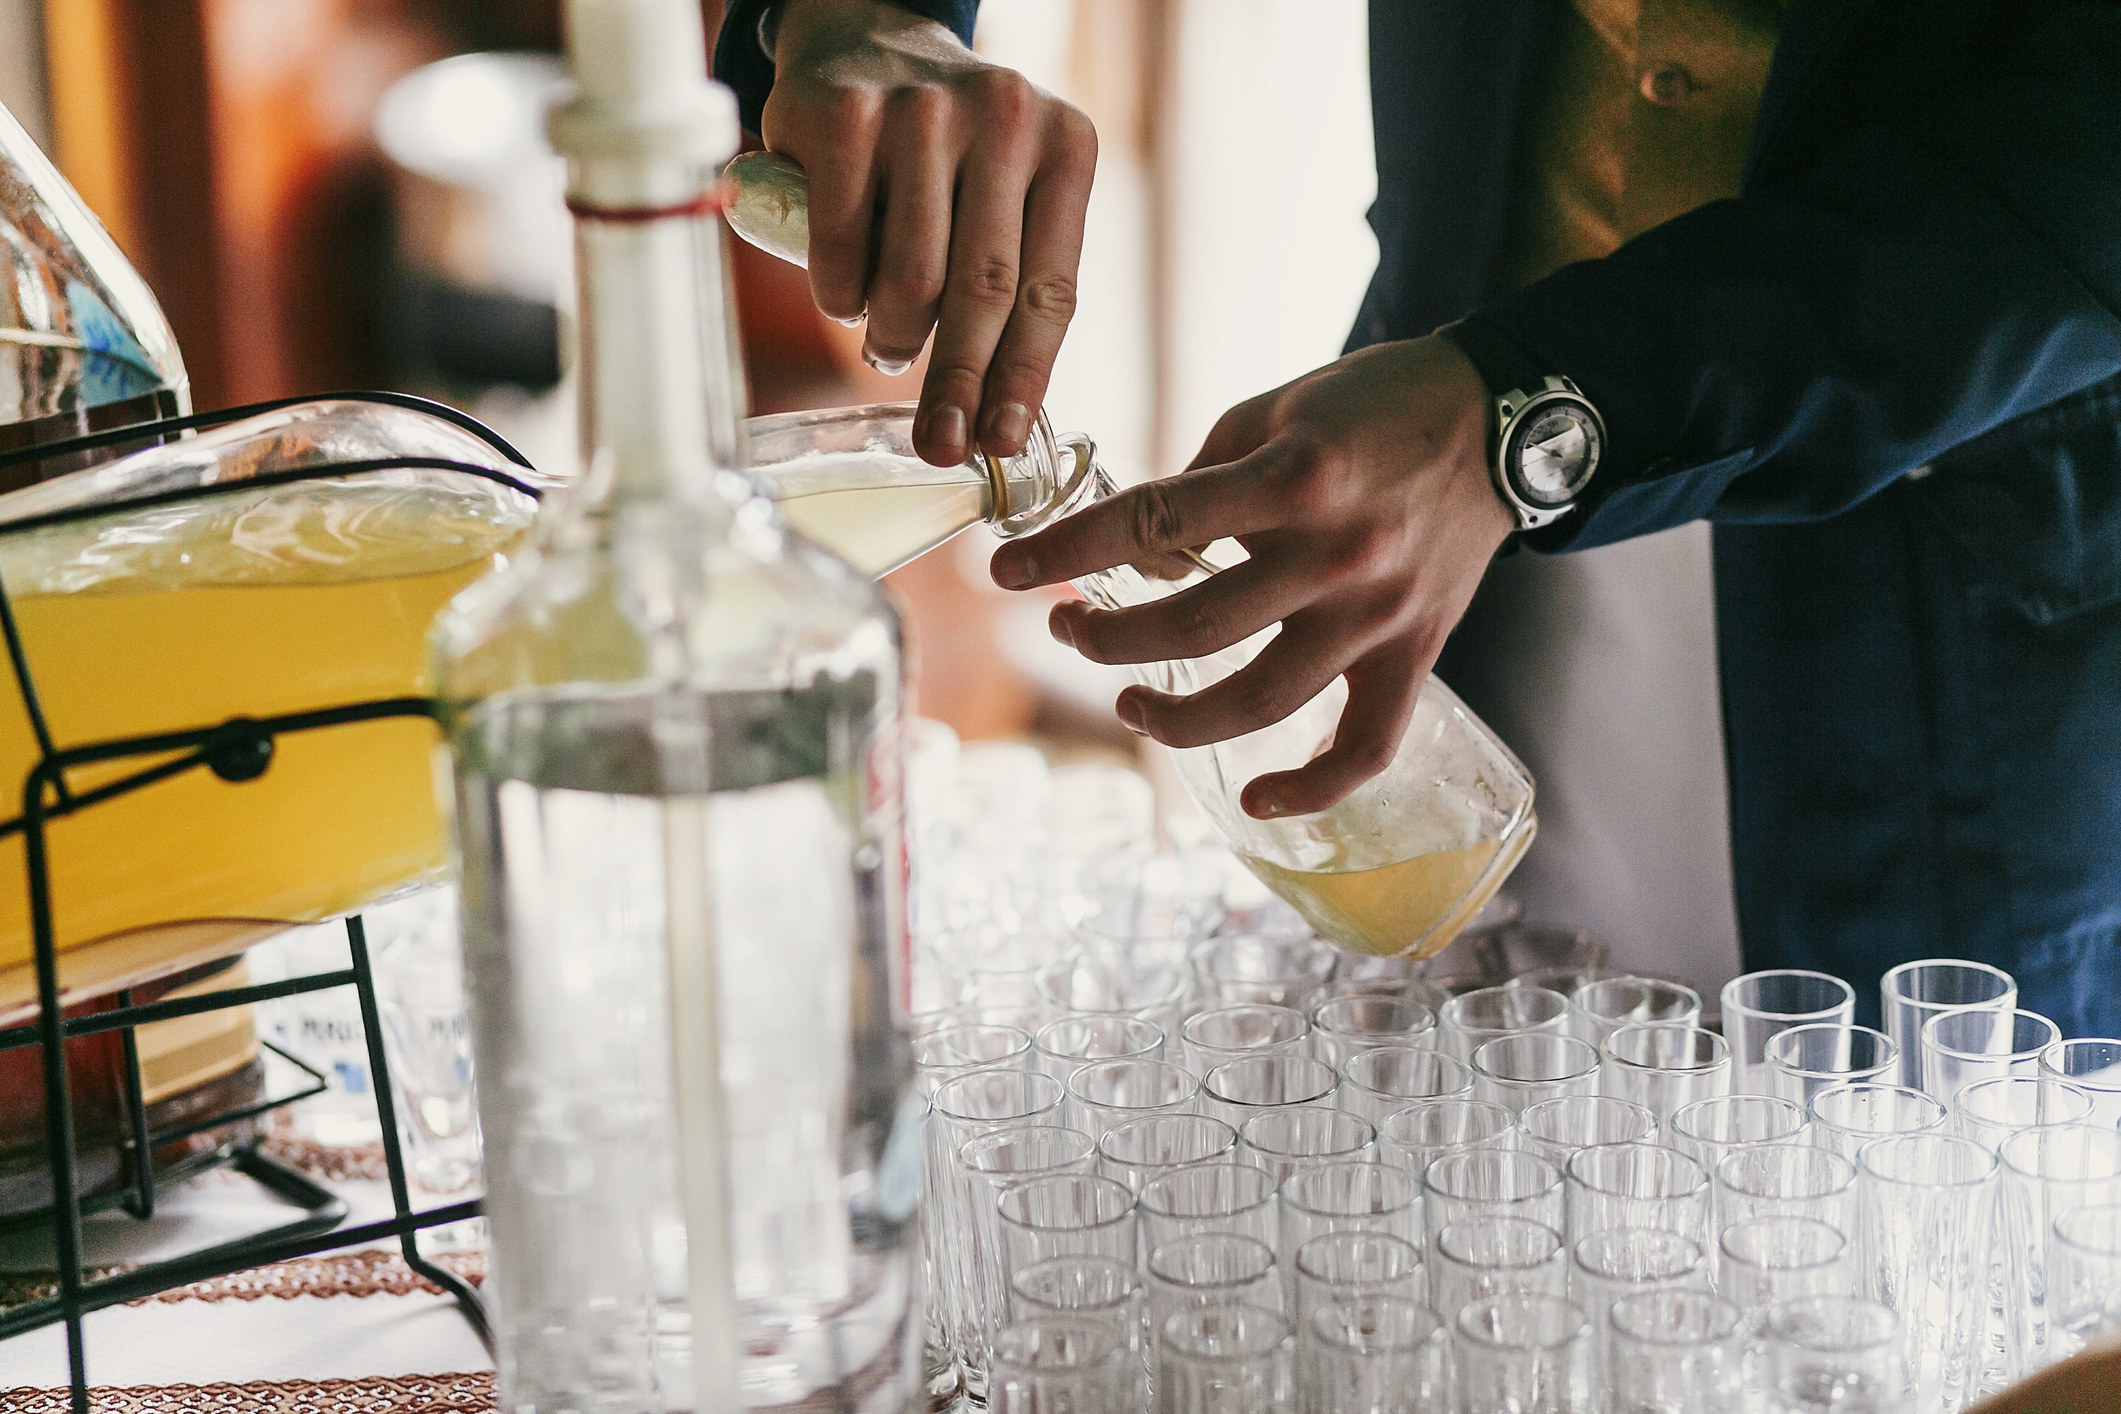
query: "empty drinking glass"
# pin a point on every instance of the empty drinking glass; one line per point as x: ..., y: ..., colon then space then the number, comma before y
x: 1062, y: 1215
x: 1378, y: 1082
x: 1209, y: 1269
x: 1760, y: 1005
x: 2093, y: 1065
x: 1141, y: 1149
x: 1636, y: 1185
x: 1104, y: 1290
x: 1483, y: 1182
x: 1629, y: 1261
x: 1525, y: 1353
x: 1279, y: 1140
x: 1847, y: 1117
x: 1914, y: 992
x: 1337, y: 1266
x: 1493, y: 1256
x: 1059, y: 1366
x: 1342, y: 1026
x: 1347, y: 1197
x: 1765, y: 1260
x: 1224, y: 1197
x: 1675, y: 1352
x: 1107, y: 981
x: 1556, y: 1129
x: 1108, y: 1093
x: 1237, y: 1090
x: 1373, y: 1355
x: 1521, y: 1070
x: 1065, y: 1046
x: 1418, y: 1134
x: 1225, y: 1360
x: 1467, y: 1022
x: 1597, y: 1009
x: 2086, y: 1278
x: 1250, y: 968
x: 1786, y: 1180
x: 959, y: 1050
x: 1708, y: 1129
x: 1664, y: 1068
x: 1225, y: 1033
x: 2048, y: 1171
x: 1960, y: 1047
x: 1803, y: 1060
x: 984, y: 1165
x: 1834, y: 1355
x: 1926, y: 1201
x: 1988, y: 1111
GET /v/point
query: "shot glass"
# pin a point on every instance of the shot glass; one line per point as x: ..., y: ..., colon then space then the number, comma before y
x: 963, y: 1108
x: 1418, y: 1134
x: 1226, y: 1033
x: 1113, y: 981
x: 1960, y: 1047
x: 1477, y: 1183
x: 1280, y: 1140
x: 1803, y: 1060
x: 1141, y: 1149
x: 984, y: 1165
x: 1063, y: 1215
x: 1664, y: 1068
x: 1847, y: 1117
x: 1834, y: 1352
x: 1104, y: 1094
x: 1765, y: 1260
x: 1237, y: 1090
x: 1210, y: 1269
x: 1057, y: 1364
x: 2086, y: 1277
x: 2093, y: 1065
x: 1373, y: 1355
x: 1760, y: 1005
x: 1516, y: 1071
x: 1225, y: 1197
x: 1675, y: 1351
x: 944, y: 1055
x: 1926, y: 1202
x: 1707, y: 1130
x: 1469, y: 1021
x: 1063, y: 1047
x: 1376, y: 1082
x: 1339, y: 1266
x: 1617, y: 1262
x: 1252, y: 968
x: 2048, y: 1171
x: 1990, y: 1111
x: 1228, y: 1359
x: 1556, y: 1129
x: 1636, y: 1186
x: 1342, y: 1026
x: 1914, y: 992
x: 1524, y: 1351
x: 1496, y: 1256
x: 1346, y: 1197
x: 1786, y: 1180
x: 1598, y: 1009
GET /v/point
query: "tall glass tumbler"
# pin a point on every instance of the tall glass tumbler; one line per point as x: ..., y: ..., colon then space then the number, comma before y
x: 1629, y: 1261
x: 1804, y: 1060
x: 1488, y: 1182
x: 1494, y: 1256
x: 1420, y: 1133
x: 1064, y: 1215
x: 1376, y: 1082
x: 1338, y: 1266
x: 1472, y: 1019
x: 1708, y: 1129
x: 1765, y: 1260
x: 1229, y: 1359
x: 1847, y: 1117
x: 1990, y: 1111
x: 1675, y: 1352
x: 1252, y: 968
x: 1760, y: 1005
x: 1834, y: 1355
x: 1636, y: 1185
x: 1556, y: 1129
x: 2093, y: 1065
x: 985, y: 1165
x: 958, y: 1050
x: 1280, y: 1140
x: 1786, y: 1180
x: 2048, y: 1172
x: 1598, y: 1009
x: 1237, y: 1090
x: 1664, y: 1068
x: 1065, y: 1046
x: 1914, y: 992
x: 1226, y: 1033
x: 1101, y: 1289
x: 1343, y: 1026
x: 1960, y: 1047
x: 1141, y: 1149
x: 1521, y: 1070
x: 1926, y: 1202
x: 1104, y: 1094
x: 1225, y: 1197
x: 1210, y: 1269
x: 1058, y: 1366
x: 1373, y: 1355
x: 2085, y: 1279
x: 1524, y: 1353
x: 1346, y: 1197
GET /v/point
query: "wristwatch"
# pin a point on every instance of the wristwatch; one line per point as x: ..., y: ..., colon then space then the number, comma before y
x: 1548, y: 439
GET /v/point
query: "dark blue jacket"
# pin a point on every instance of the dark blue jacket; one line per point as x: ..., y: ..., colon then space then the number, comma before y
x: 1889, y: 372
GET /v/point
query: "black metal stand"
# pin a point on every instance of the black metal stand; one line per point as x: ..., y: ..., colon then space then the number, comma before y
x: 236, y: 751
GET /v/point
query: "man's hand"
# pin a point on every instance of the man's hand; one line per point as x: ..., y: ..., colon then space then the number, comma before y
x: 946, y: 194
x: 1361, y: 494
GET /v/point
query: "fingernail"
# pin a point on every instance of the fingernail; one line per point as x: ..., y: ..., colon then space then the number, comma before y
x: 1263, y: 805
x: 947, y: 426
x: 1131, y: 715
x: 852, y: 321
x: 889, y: 367
x: 1011, y: 425
x: 1057, y: 625
x: 1012, y: 569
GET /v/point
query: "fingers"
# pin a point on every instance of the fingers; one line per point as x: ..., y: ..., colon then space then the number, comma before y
x: 919, y: 160
x: 1382, y: 690
x: 1178, y: 512
x: 1290, y: 671
x: 1239, y: 432
x: 1054, y: 210
x: 842, y: 203
x: 1224, y: 610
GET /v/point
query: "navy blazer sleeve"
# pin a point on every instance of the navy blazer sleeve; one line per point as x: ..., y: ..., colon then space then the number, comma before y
x: 1915, y: 280
x: 742, y: 62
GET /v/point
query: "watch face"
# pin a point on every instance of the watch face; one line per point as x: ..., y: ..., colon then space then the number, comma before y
x: 1553, y: 452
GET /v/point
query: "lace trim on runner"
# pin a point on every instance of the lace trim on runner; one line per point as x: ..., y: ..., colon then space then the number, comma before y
x: 372, y: 1273
x: 380, y: 1394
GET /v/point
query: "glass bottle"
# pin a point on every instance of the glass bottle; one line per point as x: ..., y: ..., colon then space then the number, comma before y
x: 676, y: 783
x: 83, y: 345
x: 1399, y: 867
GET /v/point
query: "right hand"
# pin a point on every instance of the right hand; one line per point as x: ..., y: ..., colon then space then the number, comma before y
x: 946, y: 194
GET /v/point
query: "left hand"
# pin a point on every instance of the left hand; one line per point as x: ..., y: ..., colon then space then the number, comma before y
x: 1361, y: 494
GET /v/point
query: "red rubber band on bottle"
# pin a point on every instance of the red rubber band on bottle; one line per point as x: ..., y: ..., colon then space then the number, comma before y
x: 710, y: 202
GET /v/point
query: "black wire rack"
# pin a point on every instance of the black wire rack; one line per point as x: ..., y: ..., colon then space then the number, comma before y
x: 235, y: 751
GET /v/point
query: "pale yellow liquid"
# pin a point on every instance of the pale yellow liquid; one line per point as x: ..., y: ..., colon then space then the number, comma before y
x: 878, y: 528
x: 1418, y: 904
